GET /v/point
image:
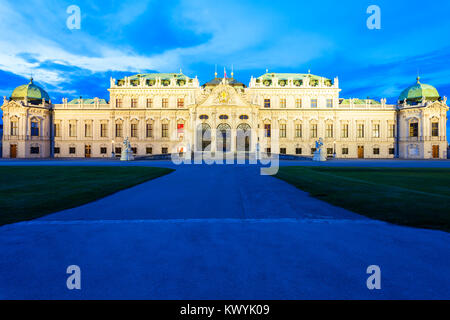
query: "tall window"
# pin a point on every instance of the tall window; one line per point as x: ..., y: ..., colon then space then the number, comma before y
x: 329, y: 131
x: 313, y: 103
x: 149, y: 130
x: 165, y: 103
x: 118, y: 103
x: 344, y: 130
x: 72, y: 130
x: 314, y: 130
x: 34, y: 128
x: 298, y: 103
x: 435, y: 129
x: 414, y: 129
x: 134, y: 130
x: 180, y: 128
x: 14, y: 128
x: 282, y: 103
x: 119, y: 130
x: 88, y: 130
x: 329, y: 103
x: 165, y: 130
x: 180, y: 103
x: 376, y: 130
x: 57, y: 130
x: 360, y: 130
x: 149, y: 103
x: 103, y: 130
x: 134, y: 103
x: 266, y: 103
x: 298, y: 130
x: 391, y: 132
x: 267, y: 130
x: 282, y: 131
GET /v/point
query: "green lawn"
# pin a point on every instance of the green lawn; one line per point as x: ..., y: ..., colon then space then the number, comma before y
x: 413, y: 197
x: 30, y: 192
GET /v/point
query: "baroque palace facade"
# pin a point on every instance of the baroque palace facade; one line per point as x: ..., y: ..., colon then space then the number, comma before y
x: 281, y: 113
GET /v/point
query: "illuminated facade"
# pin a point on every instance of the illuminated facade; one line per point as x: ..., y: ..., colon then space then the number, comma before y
x: 277, y: 113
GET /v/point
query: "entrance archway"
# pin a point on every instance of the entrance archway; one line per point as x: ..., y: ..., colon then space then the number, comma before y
x: 223, y: 138
x: 243, y: 137
x: 203, y: 137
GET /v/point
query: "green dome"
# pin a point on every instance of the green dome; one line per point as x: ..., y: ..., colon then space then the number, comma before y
x: 30, y: 91
x: 418, y: 91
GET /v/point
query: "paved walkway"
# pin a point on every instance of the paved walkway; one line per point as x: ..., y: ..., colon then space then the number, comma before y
x: 219, y: 232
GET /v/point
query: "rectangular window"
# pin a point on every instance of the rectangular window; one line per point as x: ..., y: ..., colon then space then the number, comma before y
x: 118, y: 151
x: 282, y: 150
x: 391, y: 133
x: 268, y: 151
x: 88, y: 130
x: 180, y: 103
x: 329, y: 131
x: 282, y: 103
x: 313, y: 103
x: 57, y: 129
x: 134, y: 150
x: 134, y: 103
x: 165, y: 150
x: 180, y: 128
x: 103, y: 130
x: 134, y: 130
x: 165, y: 103
x: 330, y: 151
x: 344, y: 130
x: 103, y: 150
x: 118, y: 103
x: 298, y: 150
x: 72, y: 150
x: 149, y: 103
x: 391, y: 150
x: 165, y: 131
x: 313, y: 130
x: 282, y: 131
x: 413, y: 129
x: 72, y: 130
x: 313, y: 150
x: 149, y: 150
x: 267, y: 130
x: 329, y: 103
x: 298, y: 130
x: 56, y: 150
x: 376, y: 151
x: 119, y: 131
x: 376, y: 131
x: 345, y: 151
x: 298, y: 103
x: 435, y: 129
x: 149, y: 130
x: 360, y: 130
x: 34, y: 150
x: 34, y: 129
x: 266, y: 103
x: 14, y: 128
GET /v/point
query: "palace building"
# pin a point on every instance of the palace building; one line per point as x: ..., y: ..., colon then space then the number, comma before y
x: 279, y: 113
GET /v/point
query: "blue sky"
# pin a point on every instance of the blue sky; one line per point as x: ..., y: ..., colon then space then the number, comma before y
x: 124, y: 37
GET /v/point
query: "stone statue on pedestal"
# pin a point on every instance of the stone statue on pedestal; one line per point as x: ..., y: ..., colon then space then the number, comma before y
x: 127, y: 153
x: 319, y: 154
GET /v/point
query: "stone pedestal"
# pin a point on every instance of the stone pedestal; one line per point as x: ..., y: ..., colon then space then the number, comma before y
x: 319, y: 155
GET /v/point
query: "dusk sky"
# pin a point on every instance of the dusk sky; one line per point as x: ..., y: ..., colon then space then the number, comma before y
x: 328, y: 37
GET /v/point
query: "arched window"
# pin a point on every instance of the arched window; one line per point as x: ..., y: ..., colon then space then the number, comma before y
x: 203, y: 137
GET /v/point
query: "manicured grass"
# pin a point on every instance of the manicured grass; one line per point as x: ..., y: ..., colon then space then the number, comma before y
x: 27, y: 193
x: 416, y: 197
